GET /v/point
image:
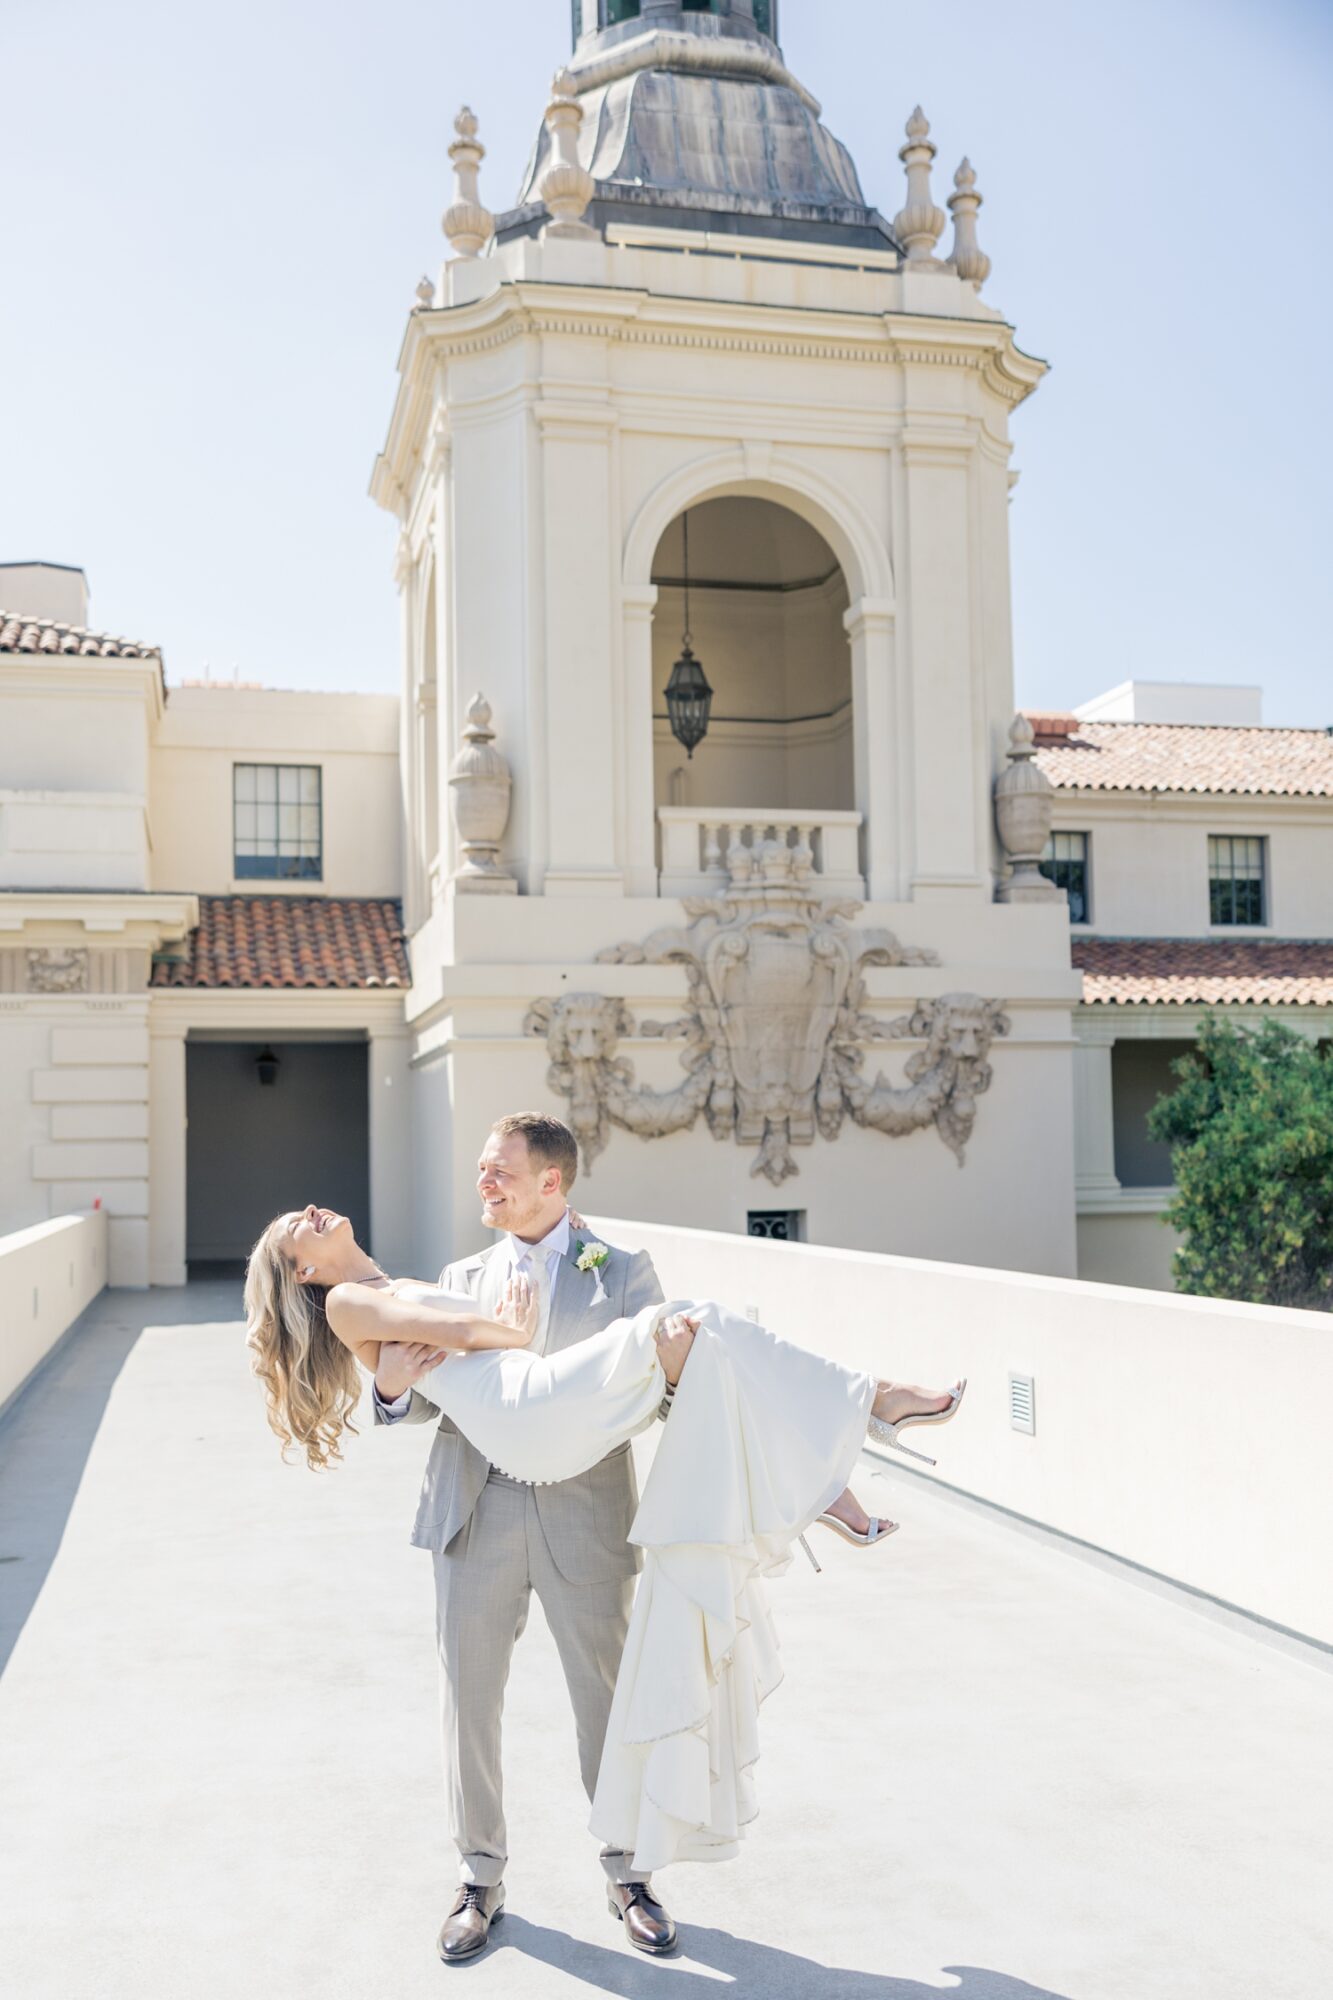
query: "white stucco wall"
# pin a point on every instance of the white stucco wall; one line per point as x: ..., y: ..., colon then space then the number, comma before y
x: 1149, y: 862
x: 74, y: 772
x: 48, y: 1274
x: 1140, y: 1400
x: 353, y: 738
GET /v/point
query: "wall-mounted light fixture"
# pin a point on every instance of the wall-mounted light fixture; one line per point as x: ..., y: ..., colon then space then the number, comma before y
x: 266, y: 1062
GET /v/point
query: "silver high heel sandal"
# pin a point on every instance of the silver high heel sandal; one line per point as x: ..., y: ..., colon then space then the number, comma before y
x: 878, y: 1531
x: 887, y: 1434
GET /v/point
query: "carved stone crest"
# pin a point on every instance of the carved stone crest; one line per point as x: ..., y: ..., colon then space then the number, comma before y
x: 776, y: 1029
x: 53, y: 971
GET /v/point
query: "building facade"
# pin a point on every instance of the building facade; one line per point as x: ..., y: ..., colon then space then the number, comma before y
x: 704, y: 818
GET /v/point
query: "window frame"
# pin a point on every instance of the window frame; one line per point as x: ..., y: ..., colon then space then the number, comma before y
x: 1264, y: 921
x: 244, y: 879
x: 1072, y: 833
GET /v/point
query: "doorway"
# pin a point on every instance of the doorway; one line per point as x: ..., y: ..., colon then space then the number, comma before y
x: 271, y: 1126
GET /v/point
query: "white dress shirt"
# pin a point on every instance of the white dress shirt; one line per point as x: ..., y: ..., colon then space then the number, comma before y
x: 538, y: 1263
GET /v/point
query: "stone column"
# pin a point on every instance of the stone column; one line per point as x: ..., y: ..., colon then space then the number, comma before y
x: 637, y: 607
x: 389, y: 1082
x: 877, y: 741
x: 166, y: 1153
x: 1094, y: 1118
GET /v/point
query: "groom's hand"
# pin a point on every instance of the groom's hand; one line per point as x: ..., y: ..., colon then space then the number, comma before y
x: 675, y: 1338
x: 402, y: 1365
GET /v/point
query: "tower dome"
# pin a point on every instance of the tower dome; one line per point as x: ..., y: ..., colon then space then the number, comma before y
x: 692, y: 120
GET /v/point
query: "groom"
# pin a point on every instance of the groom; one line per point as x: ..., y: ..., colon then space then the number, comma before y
x: 495, y: 1540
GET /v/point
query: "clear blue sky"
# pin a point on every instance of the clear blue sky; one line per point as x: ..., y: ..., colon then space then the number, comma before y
x: 214, y: 218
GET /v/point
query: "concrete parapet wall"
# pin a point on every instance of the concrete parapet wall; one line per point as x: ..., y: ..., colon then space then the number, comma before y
x: 1186, y: 1435
x: 48, y: 1274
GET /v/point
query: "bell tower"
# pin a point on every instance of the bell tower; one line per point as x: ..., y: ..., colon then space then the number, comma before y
x: 694, y: 391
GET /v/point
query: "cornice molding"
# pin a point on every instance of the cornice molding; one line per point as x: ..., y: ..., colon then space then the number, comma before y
x: 527, y: 309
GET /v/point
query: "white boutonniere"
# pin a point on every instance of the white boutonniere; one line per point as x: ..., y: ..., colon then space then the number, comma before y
x: 592, y: 1256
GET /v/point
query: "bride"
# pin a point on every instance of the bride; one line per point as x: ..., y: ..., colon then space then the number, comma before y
x: 760, y: 1442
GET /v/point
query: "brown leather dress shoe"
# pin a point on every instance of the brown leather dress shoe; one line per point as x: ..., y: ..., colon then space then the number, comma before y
x: 647, y: 1925
x: 468, y: 1925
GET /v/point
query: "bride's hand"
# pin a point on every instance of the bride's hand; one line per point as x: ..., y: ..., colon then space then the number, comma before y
x: 576, y: 1221
x: 674, y: 1338
x: 520, y: 1307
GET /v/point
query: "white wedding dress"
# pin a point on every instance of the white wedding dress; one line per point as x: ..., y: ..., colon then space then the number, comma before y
x: 762, y: 1435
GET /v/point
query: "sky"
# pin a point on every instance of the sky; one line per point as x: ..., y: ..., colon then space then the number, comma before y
x: 214, y: 219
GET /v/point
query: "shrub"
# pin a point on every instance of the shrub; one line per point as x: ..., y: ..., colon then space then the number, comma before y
x: 1251, y: 1132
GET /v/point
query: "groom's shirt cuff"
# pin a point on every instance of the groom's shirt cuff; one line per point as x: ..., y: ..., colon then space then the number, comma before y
x: 391, y: 1412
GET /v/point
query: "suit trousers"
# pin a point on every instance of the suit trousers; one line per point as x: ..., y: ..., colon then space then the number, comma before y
x: 482, y: 1595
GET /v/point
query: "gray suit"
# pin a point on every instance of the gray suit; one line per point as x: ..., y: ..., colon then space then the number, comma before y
x: 495, y: 1541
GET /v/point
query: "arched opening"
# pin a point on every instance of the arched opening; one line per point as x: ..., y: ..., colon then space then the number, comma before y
x: 767, y: 598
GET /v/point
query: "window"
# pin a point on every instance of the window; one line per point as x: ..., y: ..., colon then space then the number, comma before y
x: 764, y: 17
x: 1235, y: 879
x: 1065, y: 863
x: 277, y: 822
x: 782, y: 1225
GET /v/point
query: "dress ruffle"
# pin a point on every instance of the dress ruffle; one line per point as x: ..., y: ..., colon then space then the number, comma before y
x: 762, y: 1436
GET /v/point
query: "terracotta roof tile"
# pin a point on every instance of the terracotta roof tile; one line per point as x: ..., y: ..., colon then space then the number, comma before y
x: 1184, y: 757
x: 20, y: 634
x: 1208, y: 972
x: 293, y: 941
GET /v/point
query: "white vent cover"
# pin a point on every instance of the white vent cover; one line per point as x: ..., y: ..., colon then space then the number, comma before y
x: 1023, y: 1404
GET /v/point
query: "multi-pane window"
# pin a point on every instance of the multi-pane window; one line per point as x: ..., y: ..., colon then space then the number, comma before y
x: 1236, y: 879
x: 1065, y: 863
x: 277, y: 821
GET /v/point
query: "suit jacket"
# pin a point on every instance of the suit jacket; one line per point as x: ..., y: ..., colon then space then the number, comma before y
x: 586, y: 1520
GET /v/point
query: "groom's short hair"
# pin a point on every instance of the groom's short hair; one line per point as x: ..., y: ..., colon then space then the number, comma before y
x: 549, y: 1143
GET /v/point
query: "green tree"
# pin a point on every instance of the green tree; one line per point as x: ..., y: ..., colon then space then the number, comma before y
x: 1251, y: 1134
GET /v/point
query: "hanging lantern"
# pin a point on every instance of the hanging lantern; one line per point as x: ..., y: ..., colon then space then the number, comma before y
x: 688, y: 695
x: 266, y: 1063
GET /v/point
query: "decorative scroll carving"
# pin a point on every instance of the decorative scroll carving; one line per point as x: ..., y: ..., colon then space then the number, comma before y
x: 775, y: 1031
x: 582, y: 1031
x: 54, y: 971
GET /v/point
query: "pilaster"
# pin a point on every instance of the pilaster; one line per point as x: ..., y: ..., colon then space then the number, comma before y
x: 878, y: 744
x: 584, y: 776
x: 1094, y: 1113
x: 166, y: 1151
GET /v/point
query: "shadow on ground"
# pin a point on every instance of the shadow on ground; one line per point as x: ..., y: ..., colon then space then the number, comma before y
x: 49, y: 1430
x: 754, y: 1969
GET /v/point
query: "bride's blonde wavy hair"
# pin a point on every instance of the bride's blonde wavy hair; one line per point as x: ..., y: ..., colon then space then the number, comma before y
x: 311, y: 1383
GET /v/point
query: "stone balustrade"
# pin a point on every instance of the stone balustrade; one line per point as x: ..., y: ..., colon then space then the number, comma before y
x: 704, y: 850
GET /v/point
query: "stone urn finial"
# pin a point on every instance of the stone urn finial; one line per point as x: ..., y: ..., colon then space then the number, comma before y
x: 425, y: 294
x: 565, y: 187
x: 1024, y: 808
x: 968, y: 258
x: 466, y: 223
x: 479, y: 791
x: 919, y: 225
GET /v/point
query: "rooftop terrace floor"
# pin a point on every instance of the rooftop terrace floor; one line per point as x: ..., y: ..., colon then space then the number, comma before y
x: 993, y: 1770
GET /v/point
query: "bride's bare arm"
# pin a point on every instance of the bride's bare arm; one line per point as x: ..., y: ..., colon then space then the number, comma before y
x: 362, y: 1319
